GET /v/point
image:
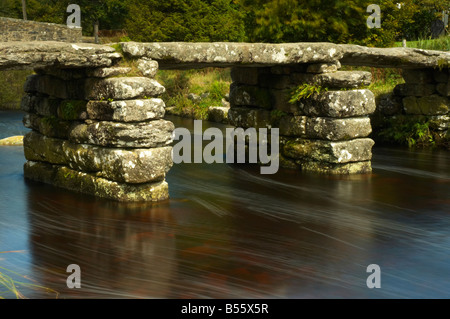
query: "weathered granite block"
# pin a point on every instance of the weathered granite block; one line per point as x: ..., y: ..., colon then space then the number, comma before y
x: 315, y: 167
x: 440, y: 122
x: 55, y: 87
x: 339, y: 104
x: 332, y: 129
x: 443, y: 88
x: 81, y: 73
x: 49, y: 126
x: 155, y: 133
x: 356, y: 150
x: 45, y: 106
x: 323, y: 67
x: 120, y: 165
x: 246, y: 95
x: 287, y: 69
x: 418, y: 76
x: 336, y: 169
x: 191, y: 55
x: 64, y: 177
x: 280, y: 100
x: 275, y: 81
x: 218, y: 114
x: 126, y: 110
x: 246, y: 117
x: 107, y: 72
x: 23, y: 55
x: 426, y: 105
x: 293, y: 125
x: 242, y: 75
x: 390, y: 104
x: 147, y: 66
x: 441, y: 76
x: 124, y: 88
x: 412, y: 89
x: 339, y: 79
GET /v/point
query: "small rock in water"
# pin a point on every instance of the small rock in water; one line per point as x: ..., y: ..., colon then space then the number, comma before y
x: 218, y: 114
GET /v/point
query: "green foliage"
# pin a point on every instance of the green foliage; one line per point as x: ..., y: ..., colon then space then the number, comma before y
x: 218, y: 89
x: 408, y: 131
x: 295, y: 21
x: 305, y: 91
x: 441, y: 44
x: 125, y: 39
x: 71, y: 109
x: 412, y: 21
x: 179, y: 84
x: 109, y: 13
x: 243, y: 20
x: 184, y: 20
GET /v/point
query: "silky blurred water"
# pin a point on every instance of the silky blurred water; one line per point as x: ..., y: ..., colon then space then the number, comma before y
x: 230, y: 232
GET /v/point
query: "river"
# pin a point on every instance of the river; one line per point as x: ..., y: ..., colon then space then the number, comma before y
x: 229, y: 232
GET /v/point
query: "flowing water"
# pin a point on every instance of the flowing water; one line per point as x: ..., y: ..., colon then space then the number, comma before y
x: 229, y: 232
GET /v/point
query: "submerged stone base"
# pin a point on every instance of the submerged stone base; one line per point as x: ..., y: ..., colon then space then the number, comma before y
x: 62, y: 176
x: 317, y: 167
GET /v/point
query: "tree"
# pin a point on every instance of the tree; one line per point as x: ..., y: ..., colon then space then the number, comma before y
x: 410, y: 20
x: 24, y: 9
x: 295, y: 21
x: 184, y: 20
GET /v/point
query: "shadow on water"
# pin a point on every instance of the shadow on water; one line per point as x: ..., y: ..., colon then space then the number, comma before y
x: 229, y: 232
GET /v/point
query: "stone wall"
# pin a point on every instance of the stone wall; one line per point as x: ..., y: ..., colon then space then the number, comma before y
x: 25, y: 30
x: 322, y: 133
x: 423, y: 98
x: 96, y: 131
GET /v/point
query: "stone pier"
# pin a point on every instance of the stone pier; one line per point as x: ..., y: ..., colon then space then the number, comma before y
x: 325, y: 132
x: 97, y: 131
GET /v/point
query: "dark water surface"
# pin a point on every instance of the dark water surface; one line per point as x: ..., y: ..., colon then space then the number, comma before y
x: 229, y: 232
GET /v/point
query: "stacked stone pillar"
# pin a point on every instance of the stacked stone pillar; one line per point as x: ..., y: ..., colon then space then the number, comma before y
x: 97, y: 131
x: 326, y: 132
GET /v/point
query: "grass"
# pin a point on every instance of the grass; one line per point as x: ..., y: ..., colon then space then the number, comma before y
x: 9, y: 285
x: 441, y: 44
x: 413, y: 131
x: 179, y: 84
x: 305, y: 91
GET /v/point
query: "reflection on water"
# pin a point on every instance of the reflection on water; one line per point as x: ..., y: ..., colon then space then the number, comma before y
x: 229, y: 232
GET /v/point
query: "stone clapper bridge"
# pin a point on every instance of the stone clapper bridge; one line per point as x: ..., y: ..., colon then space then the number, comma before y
x: 97, y: 131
